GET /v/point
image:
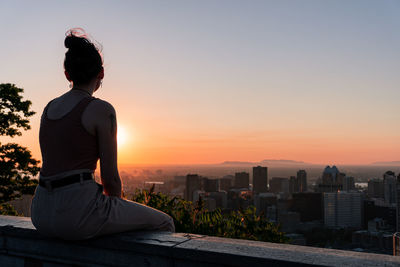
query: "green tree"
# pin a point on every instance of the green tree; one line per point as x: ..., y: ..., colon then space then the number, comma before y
x: 196, y: 219
x: 17, y: 166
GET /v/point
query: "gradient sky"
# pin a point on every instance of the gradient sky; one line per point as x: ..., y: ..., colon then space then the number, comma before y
x: 209, y: 81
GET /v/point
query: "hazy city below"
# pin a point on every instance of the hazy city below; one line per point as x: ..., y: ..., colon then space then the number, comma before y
x: 276, y: 168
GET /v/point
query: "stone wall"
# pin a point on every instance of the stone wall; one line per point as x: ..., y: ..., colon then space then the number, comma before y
x: 22, y: 245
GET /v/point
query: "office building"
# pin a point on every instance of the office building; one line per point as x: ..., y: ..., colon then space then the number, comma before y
x: 279, y: 185
x: 332, y: 180
x: 398, y: 203
x: 375, y: 188
x: 294, y: 186
x: 389, y: 187
x: 349, y: 183
x: 302, y: 180
x: 301, y: 203
x: 193, y: 183
x: 343, y: 209
x: 376, y: 209
x: 242, y: 180
x: 260, y: 179
x: 266, y: 204
x: 210, y: 185
x: 221, y: 199
x: 226, y: 182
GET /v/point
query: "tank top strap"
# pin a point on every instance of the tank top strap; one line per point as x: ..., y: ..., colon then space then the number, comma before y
x: 47, y: 107
x: 78, y: 110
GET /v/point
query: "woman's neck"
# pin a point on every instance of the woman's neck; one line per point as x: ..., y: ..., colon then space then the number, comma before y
x: 81, y: 90
x: 88, y: 89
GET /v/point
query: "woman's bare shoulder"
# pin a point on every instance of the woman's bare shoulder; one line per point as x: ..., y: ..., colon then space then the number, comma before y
x: 102, y: 105
x: 96, y: 114
x: 98, y: 110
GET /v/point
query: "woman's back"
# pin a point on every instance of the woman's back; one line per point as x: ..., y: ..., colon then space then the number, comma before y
x: 65, y: 142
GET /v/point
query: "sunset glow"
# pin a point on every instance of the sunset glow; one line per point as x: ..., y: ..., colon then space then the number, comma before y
x: 211, y: 81
x: 122, y: 136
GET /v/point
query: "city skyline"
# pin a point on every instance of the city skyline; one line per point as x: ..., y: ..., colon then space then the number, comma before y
x: 223, y: 81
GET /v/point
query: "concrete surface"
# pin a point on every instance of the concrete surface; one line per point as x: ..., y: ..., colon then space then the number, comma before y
x: 22, y: 245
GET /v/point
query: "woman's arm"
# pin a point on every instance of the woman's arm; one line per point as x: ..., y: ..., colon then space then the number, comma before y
x: 106, y: 131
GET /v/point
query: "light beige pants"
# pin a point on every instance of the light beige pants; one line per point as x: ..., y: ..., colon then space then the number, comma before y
x: 81, y: 211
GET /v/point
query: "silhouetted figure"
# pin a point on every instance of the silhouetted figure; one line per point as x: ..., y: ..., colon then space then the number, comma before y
x: 76, y: 130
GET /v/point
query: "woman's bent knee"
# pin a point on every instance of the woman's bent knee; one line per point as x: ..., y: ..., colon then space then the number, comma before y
x: 171, y: 225
x: 168, y: 225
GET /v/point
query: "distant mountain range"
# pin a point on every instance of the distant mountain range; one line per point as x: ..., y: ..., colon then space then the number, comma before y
x: 387, y: 163
x: 288, y: 162
x: 265, y: 161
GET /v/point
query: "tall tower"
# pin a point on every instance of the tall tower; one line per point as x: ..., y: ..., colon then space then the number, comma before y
x: 389, y: 185
x: 343, y: 209
x: 349, y: 183
x: 398, y: 203
x: 332, y: 180
x: 242, y: 180
x: 260, y: 179
x: 193, y: 183
x: 302, y: 180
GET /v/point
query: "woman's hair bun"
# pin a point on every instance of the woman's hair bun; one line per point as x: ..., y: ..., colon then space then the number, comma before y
x: 83, y: 60
x: 76, y: 38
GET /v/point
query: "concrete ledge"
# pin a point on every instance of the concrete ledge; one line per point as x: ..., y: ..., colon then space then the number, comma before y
x: 22, y: 245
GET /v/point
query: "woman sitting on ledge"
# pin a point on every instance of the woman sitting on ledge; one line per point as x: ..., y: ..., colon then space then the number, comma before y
x: 76, y: 130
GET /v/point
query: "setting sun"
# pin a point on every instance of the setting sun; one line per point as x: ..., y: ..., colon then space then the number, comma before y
x: 121, y: 136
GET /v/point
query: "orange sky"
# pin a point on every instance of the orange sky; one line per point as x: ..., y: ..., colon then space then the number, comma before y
x: 209, y: 82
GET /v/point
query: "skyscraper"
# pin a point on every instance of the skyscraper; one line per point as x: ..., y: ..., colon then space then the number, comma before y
x: 210, y: 185
x: 343, y: 209
x: 225, y: 183
x: 279, y: 185
x: 242, y: 180
x: 303, y: 201
x: 389, y: 185
x: 375, y: 188
x: 193, y: 183
x: 302, y: 180
x: 398, y: 203
x: 349, y: 183
x: 260, y: 179
x: 332, y: 180
x: 294, y: 186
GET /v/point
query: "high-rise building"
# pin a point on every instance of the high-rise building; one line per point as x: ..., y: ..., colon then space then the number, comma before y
x: 260, y: 179
x: 302, y: 202
x: 294, y: 186
x: 398, y: 203
x: 210, y: 185
x: 375, y: 188
x: 240, y: 198
x: 349, y: 183
x: 332, y: 180
x: 389, y: 186
x: 343, y: 209
x: 279, y: 185
x: 225, y: 183
x: 378, y: 209
x: 221, y: 198
x: 242, y: 180
x: 302, y: 180
x: 193, y: 183
x: 266, y: 204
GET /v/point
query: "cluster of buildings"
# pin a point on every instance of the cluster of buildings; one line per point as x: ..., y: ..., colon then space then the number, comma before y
x: 332, y: 202
x: 283, y: 200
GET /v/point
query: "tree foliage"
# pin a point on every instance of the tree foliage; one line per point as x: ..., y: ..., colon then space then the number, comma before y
x: 14, y: 112
x: 196, y: 219
x: 17, y: 166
